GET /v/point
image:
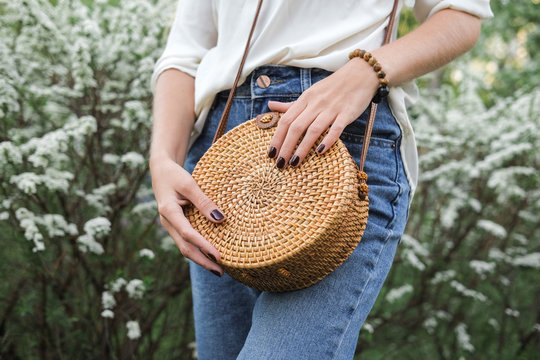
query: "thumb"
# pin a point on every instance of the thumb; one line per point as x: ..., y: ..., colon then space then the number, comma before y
x: 279, y: 106
x: 205, y: 205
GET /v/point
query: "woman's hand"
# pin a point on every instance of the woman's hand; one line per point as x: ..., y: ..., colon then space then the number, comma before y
x: 174, y: 187
x: 335, y: 101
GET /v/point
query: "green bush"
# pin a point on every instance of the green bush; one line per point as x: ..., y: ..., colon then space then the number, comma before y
x: 88, y: 273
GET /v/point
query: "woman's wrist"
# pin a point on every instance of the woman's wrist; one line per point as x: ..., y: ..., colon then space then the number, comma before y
x: 365, y: 75
x: 159, y: 154
x: 382, y: 88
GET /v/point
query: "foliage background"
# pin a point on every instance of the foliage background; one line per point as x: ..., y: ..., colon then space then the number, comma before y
x: 88, y: 274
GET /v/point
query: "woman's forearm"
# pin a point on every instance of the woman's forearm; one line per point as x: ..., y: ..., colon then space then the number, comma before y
x: 173, y: 116
x: 440, y: 39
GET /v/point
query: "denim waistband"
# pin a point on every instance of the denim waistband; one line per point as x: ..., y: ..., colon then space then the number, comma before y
x: 285, y: 81
x: 272, y: 82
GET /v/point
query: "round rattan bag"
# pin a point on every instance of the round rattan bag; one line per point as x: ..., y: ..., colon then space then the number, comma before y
x: 284, y: 229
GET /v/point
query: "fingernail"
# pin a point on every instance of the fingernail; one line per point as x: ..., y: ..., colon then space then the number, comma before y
x: 320, y: 148
x: 280, y: 163
x: 215, y: 273
x: 272, y: 152
x: 216, y: 215
x: 294, y: 160
x: 211, y: 257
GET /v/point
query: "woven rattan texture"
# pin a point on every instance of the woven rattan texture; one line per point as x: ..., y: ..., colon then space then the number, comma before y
x: 285, y: 229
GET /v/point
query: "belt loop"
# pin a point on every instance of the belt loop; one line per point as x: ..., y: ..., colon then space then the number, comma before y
x: 252, y: 85
x: 305, y: 78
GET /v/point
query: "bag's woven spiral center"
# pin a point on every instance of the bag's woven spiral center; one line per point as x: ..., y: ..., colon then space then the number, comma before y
x: 262, y: 186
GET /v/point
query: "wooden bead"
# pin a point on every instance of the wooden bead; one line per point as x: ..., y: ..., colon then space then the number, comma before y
x: 382, y: 90
x: 355, y: 53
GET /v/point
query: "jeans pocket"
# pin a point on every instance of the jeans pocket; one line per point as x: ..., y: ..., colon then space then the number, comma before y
x: 383, y: 163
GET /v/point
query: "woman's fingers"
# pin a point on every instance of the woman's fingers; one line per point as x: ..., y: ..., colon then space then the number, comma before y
x: 279, y: 106
x: 321, y: 123
x: 293, y: 110
x: 191, y: 190
x: 294, y: 133
x: 193, y: 246
x: 175, y: 217
x: 334, y: 133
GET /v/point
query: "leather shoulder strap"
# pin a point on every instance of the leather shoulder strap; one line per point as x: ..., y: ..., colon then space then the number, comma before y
x: 373, y: 107
x: 225, y: 116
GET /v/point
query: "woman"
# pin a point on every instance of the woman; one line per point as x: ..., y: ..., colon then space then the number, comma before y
x: 298, y: 64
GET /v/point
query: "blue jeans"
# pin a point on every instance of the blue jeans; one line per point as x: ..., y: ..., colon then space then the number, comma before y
x: 323, y: 321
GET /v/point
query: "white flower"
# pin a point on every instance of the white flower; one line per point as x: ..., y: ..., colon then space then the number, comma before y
x: 468, y: 292
x: 193, y: 345
x: 493, y: 323
x: 107, y: 314
x: 134, y: 331
x: 88, y: 243
x: 57, y: 225
x: 147, y: 253
x: 147, y: 208
x: 511, y: 312
x: 443, y: 276
x: 492, y: 228
x: 463, y: 338
x: 57, y: 180
x: 97, y: 227
x: 132, y: 159
x: 413, y: 260
x: 397, y: 293
x: 111, y: 159
x: 135, y: 289
x: 9, y: 153
x: 167, y: 243
x: 117, y: 285
x: 415, y: 245
x: 430, y: 324
x: 26, y: 182
x: 28, y: 221
x: 52, y: 179
x: 482, y: 267
x: 368, y: 327
x: 107, y: 300
x: 529, y: 260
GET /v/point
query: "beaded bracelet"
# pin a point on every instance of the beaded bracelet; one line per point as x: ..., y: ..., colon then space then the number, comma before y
x: 382, y: 90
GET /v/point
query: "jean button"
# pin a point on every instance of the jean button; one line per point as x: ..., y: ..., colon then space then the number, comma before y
x: 263, y: 81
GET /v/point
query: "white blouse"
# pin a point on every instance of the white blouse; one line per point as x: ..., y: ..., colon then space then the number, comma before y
x: 207, y: 41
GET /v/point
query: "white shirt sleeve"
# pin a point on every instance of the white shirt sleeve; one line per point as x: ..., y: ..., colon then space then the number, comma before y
x: 423, y: 9
x: 193, y: 33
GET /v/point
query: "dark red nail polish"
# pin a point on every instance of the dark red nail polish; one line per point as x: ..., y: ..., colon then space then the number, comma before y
x: 211, y: 257
x: 280, y: 163
x: 320, y: 148
x: 294, y: 160
x: 216, y: 215
x: 272, y: 152
x: 215, y: 273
